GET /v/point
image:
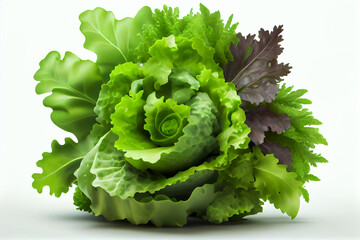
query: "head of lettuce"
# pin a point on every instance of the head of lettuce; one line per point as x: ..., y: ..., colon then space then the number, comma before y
x: 162, y: 133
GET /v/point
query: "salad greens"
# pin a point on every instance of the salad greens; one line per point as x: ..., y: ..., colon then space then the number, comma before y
x: 177, y: 115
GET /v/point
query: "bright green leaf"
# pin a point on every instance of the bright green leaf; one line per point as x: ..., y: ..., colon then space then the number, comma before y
x: 75, y: 85
x: 276, y: 184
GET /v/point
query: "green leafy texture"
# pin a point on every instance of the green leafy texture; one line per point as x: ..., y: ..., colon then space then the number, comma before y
x: 234, y: 133
x: 204, y: 26
x: 159, y: 66
x: 240, y: 172
x: 74, y: 85
x: 181, y: 87
x: 165, y: 120
x: 163, y: 25
x: 303, y: 157
x: 59, y: 165
x: 113, y: 41
x: 128, y: 121
x: 235, y: 202
x: 289, y: 102
x: 81, y: 201
x: 122, y: 79
x: 175, y: 53
x: 305, y: 194
x: 210, y: 28
x: 139, y: 210
x: 276, y: 184
x: 299, y: 137
x: 196, y: 143
x: 118, y: 178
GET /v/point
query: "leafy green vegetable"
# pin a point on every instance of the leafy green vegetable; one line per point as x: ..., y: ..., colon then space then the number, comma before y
x: 177, y: 115
x: 75, y: 86
x: 59, y: 166
x: 283, y: 191
x: 81, y: 201
x: 113, y: 41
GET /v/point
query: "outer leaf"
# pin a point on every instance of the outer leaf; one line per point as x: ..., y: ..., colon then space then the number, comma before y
x: 59, y: 166
x: 255, y: 66
x: 276, y: 184
x: 290, y: 103
x: 302, y: 156
x: 75, y: 86
x: 265, y: 90
x: 140, y: 210
x: 117, y: 177
x: 114, y: 41
x: 261, y: 119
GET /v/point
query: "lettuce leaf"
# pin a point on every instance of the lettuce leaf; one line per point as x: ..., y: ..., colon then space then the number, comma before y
x: 59, y: 166
x: 205, y: 26
x: 283, y: 191
x: 139, y: 210
x: 74, y: 85
x: 261, y: 120
x: 196, y: 143
x: 121, y: 81
x: 255, y: 70
x: 113, y: 41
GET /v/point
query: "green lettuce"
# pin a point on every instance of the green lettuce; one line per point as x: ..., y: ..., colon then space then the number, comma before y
x: 166, y: 121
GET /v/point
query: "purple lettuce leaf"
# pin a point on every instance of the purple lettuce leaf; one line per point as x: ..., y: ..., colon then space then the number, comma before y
x: 261, y: 119
x: 255, y: 70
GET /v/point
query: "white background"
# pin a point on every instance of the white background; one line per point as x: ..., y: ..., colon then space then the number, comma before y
x: 321, y: 41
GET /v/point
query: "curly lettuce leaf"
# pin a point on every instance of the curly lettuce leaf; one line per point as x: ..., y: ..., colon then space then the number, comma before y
x: 81, y: 201
x: 113, y: 41
x: 255, y: 70
x: 75, y: 85
x: 210, y: 28
x: 205, y: 26
x: 122, y: 80
x: 181, y: 87
x: 163, y: 24
x: 275, y: 184
x: 59, y: 166
x: 231, y: 118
